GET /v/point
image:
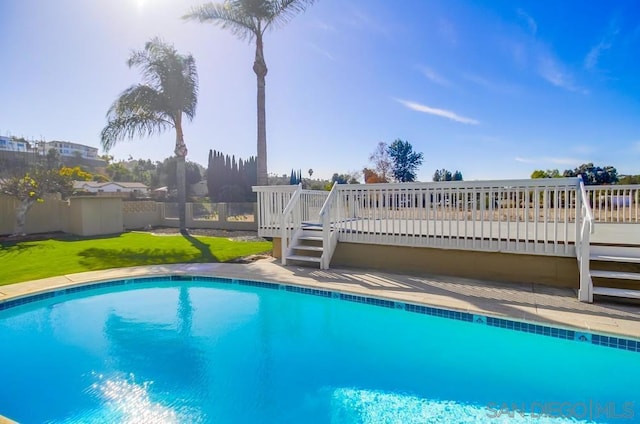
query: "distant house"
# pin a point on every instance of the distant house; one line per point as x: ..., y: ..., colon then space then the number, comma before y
x: 14, y: 145
x: 69, y: 149
x: 112, y: 188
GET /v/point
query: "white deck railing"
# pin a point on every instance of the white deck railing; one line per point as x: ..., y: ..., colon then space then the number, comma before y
x: 311, y: 202
x: 527, y: 216
x: 271, y: 203
x: 532, y: 216
x: 614, y: 203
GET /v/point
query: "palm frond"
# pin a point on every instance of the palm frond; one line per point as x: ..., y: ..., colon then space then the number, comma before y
x: 172, y: 75
x: 189, y: 89
x: 139, y: 110
x: 284, y: 10
x: 134, y: 99
x: 228, y: 15
x: 128, y: 127
x: 152, y: 61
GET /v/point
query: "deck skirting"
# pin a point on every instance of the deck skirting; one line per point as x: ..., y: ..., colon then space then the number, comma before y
x: 522, y: 268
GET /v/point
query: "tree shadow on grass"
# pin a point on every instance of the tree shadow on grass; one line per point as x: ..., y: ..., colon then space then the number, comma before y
x: 73, y: 237
x: 205, y: 250
x: 20, y: 243
x: 15, y: 247
x: 96, y: 258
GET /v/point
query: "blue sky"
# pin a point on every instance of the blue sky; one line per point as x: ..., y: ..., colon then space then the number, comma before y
x: 492, y: 88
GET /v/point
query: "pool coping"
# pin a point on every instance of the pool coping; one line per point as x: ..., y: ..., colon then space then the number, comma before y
x: 558, y: 323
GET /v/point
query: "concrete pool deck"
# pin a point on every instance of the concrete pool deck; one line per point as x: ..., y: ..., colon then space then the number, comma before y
x: 531, y: 302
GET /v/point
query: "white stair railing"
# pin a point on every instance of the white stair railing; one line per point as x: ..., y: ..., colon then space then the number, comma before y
x: 585, y: 293
x: 329, y: 237
x: 291, y: 224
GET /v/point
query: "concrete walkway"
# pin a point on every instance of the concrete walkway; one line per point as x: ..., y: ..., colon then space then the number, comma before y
x: 530, y: 302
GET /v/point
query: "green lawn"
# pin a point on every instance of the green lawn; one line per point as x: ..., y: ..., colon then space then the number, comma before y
x: 31, y: 260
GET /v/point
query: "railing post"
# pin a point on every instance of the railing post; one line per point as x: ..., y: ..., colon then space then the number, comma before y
x: 579, y: 217
x: 286, y: 233
x: 325, y: 218
x: 585, y: 293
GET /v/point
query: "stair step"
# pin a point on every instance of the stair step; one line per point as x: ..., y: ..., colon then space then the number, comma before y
x: 311, y: 248
x: 615, y: 274
x: 615, y: 258
x: 301, y: 258
x: 608, y: 291
x: 310, y: 238
x: 615, y: 254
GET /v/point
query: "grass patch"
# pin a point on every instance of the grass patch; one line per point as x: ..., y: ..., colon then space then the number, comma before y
x: 31, y: 260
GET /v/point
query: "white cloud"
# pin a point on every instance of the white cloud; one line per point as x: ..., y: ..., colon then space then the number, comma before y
x: 360, y: 20
x: 491, y: 85
x: 531, y: 23
x: 554, y: 72
x: 321, y: 51
x: 433, y: 76
x: 524, y: 160
x: 437, y: 112
x: 593, y: 57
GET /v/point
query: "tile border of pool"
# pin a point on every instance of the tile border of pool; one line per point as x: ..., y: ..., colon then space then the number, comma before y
x: 606, y: 340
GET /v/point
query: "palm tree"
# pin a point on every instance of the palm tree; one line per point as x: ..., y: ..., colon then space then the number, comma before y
x: 249, y: 19
x: 169, y: 90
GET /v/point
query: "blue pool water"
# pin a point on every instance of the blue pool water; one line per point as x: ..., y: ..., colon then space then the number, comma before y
x: 207, y: 352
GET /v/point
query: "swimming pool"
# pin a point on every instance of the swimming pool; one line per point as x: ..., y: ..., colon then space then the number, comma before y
x: 199, y: 350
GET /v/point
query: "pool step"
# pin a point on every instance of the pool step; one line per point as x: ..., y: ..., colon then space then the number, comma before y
x: 617, y: 271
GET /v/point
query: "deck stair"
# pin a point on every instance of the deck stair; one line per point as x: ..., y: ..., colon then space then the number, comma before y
x: 308, y: 246
x: 615, y: 271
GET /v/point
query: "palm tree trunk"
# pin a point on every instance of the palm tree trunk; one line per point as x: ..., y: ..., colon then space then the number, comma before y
x: 181, y: 153
x: 260, y: 68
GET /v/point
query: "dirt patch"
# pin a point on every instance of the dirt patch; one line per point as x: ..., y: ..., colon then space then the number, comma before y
x: 160, y: 231
x: 206, y: 232
x: 249, y: 259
